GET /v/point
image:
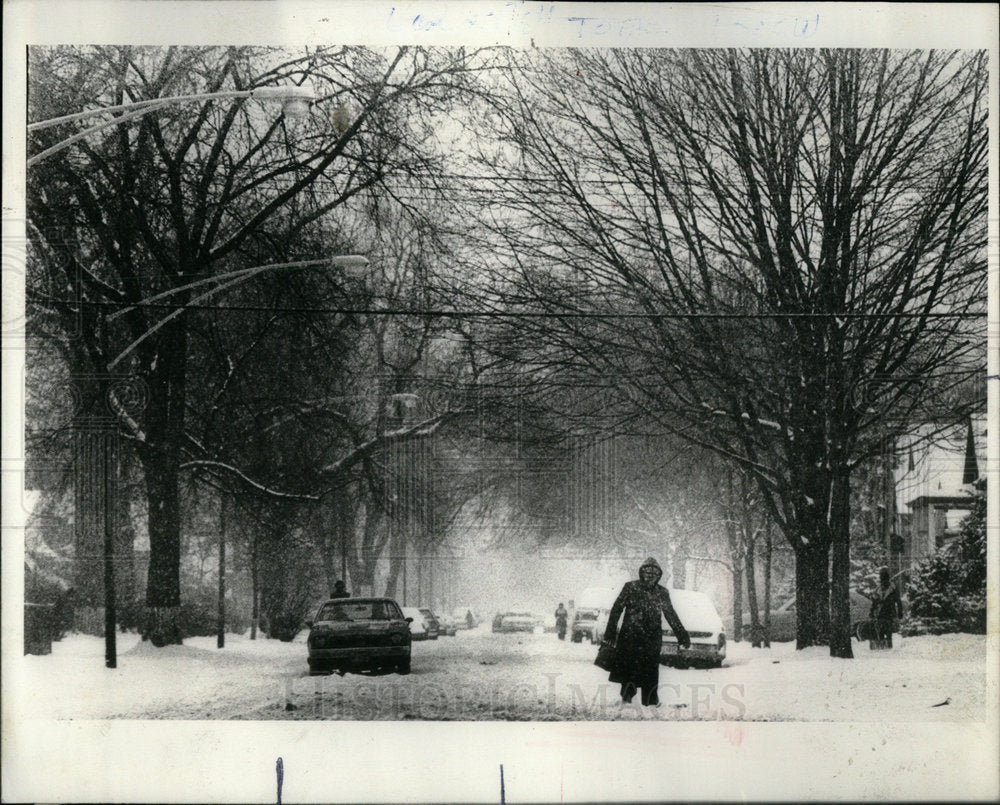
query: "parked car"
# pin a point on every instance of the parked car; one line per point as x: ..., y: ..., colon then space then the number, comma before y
x: 592, y: 605
x: 431, y: 622
x: 704, y: 627
x: 784, y: 619
x: 418, y: 624
x: 358, y: 634
x: 465, y: 618
x: 520, y: 621
x: 446, y: 625
x: 585, y: 625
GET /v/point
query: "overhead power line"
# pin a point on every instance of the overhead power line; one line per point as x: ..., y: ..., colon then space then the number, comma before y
x: 508, y: 314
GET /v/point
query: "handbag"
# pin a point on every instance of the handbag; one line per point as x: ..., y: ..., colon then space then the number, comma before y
x: 605, y: 657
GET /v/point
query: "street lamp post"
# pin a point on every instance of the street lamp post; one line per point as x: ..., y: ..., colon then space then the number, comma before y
x: 295, y: 103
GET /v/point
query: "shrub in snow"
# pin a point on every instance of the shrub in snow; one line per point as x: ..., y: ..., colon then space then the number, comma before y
x: 947, y: 591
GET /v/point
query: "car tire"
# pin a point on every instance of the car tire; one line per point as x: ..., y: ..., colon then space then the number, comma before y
x: 403, y: 667
x: 577, y: 637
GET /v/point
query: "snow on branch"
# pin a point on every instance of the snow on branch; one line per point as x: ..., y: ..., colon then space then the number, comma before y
x: 229, y: 469
x: 426, y: 427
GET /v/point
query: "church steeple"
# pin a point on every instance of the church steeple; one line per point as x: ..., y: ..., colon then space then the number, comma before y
x: 970, y: 473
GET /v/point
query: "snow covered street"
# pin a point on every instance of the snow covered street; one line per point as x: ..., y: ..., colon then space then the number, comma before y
x: 509, y: 677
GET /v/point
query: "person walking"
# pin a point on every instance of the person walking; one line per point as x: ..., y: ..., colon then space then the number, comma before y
x: 887, y: 605
x: 561, y: 617
x: 637, y: 647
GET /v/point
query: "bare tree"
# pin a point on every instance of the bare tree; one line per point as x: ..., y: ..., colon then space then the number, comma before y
x: 152, y: 205
x: 768, y: 252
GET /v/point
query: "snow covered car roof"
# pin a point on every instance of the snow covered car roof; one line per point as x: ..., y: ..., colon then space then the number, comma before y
x: 696, y: 611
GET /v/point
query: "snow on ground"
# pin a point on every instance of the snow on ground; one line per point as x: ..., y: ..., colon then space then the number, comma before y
x: 479, y: 675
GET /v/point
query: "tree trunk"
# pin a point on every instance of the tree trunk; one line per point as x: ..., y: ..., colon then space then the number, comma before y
x: 735, y: 557
x: 161, y: 462
x: 840, y: 601
x: 395, y: 568
x: 163, y: 594
x: 748, y: 540
x: 678, y: 567
x: 254, y: 588
x: 125, y: 581
x: 737, y: 602
x: 755, y: 630
x: 220, y: 641
x: 420, y: 580
x: 768, y: 545
x: 364, y: 561
x: 812, y: 596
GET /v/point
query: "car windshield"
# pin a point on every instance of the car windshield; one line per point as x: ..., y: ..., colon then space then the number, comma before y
x: 357, y: 611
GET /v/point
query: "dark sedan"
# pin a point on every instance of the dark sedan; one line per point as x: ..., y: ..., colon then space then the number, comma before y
x: 359, y: 634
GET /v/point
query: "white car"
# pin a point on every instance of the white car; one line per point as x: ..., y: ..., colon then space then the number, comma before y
x: 590, y: 615
x: 447, y: 626
x: 520, y: 621
x: 418, y: 626
x: 703, y: 625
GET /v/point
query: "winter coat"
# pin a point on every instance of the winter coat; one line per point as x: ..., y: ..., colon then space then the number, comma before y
x: 886, y: 603
x: 561, y: 614
x: 638, y: 643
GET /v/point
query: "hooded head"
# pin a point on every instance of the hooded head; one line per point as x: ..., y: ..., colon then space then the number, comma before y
x: 883, y: 575
x: 650, y: 572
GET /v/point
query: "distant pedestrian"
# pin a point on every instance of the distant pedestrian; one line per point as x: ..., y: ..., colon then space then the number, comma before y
x: 339, y: 590
x: 886, y: 607
x: 637, y: 648
x: 561, y: 617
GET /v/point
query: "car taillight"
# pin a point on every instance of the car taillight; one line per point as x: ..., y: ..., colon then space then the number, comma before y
x: 722, y: 640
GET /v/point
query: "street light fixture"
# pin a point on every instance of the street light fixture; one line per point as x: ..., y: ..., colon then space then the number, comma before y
x: 232, y: 278
x: 295, y: 103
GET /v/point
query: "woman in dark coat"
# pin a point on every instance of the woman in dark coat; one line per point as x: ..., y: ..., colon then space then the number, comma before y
x: 886, y: 607
x: 637, y: 648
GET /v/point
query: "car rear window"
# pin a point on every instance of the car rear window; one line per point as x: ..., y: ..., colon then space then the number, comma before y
x: 357, y: 611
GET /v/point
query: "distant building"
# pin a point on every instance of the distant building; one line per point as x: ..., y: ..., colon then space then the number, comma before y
x: 934, y: 487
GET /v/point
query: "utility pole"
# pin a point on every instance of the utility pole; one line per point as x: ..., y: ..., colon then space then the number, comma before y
x: 220, y: 641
